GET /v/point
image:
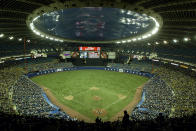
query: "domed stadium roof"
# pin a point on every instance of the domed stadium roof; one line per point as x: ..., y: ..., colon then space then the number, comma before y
x: 94, y: 24
x: 175, y: 17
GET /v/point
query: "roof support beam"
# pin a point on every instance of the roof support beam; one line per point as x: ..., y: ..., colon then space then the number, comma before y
x: 15, y: 31
x: 14, y: 11
x: 175, y: 3
x: 18, y: 24
x: 30, y: 2
x: 180, y: 19
x: 173, y: 11
x: 179, y: 26
x: 13, y: 28
x: 178, y: 30
x: 12, y: 19
x: 171, y: 36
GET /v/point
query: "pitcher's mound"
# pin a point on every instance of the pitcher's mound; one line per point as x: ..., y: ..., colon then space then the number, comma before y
x: 94, y: 88
x: 69, y: 98
x: 120, y: 96
x: 99, y: 112
x: 96, y: 98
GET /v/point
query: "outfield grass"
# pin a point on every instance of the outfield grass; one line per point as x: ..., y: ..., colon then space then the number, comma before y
x: 114, y: 90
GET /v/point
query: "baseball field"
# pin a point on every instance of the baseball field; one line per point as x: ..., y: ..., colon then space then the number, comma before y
x: 90, y: 93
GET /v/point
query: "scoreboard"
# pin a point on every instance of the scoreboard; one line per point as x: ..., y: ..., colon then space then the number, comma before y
x: 94, y: 54
x: 89, y: 52
x: 89, y: 48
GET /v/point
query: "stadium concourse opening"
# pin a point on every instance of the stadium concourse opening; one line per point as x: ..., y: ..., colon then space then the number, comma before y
x: 97, y: 65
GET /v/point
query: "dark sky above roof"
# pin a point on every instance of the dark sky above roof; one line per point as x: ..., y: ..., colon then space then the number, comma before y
x: 94, y: 24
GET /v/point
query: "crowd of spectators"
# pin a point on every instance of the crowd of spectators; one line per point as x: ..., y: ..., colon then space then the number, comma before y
x: 8, y: 77
x: 137, y: 65
x: 170, y: 92
x: 29, y: 99
x: 44, y: 64
x: 18, y: 94
x: 142, y: 65
x: 158, y: 98
x: 184, y: 90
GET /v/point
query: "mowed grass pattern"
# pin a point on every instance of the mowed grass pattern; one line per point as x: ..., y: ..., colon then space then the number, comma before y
x: 79, y: 83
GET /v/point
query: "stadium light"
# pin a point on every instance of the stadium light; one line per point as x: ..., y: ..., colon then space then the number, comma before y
x: 145, y: 36
x: 154, y: 60
x: 36, y: 18
x: 123, y: 41
x: 32, y: 26
x: 1, y: 35
x: 129, y: 12
x: 149, y: 35
x: 165, y: 42
x: 186, y: 39
x: 134, y: 39
x: 174, y: 64
x: 194, y: 70
x: 11, y: 37
x: 20, y: 39
x: 175, y: 41
x: 51, y: 38
x: 139, y: 38
x: 122, y: 11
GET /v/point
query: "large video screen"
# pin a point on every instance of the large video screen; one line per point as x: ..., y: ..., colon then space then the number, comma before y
x: 93, y: 54
x: 67, y: 54
x: 111, y: 55
x: 89, y: 48
x: 83, y: 54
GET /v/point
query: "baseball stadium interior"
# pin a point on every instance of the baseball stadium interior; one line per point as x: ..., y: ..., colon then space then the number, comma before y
x: 98, y: 65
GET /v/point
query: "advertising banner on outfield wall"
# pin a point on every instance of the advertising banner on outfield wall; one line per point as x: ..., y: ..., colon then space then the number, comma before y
x: 146, y: 74
x: 120, y: 70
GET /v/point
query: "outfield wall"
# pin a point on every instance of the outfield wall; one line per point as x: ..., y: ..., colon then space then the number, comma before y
x: 43, y: 72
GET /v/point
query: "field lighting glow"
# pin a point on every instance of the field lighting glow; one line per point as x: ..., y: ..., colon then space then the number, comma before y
x: 20, y: 39
x: 1, y: 35
x: 11, y: 37
x: 129, y: 18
